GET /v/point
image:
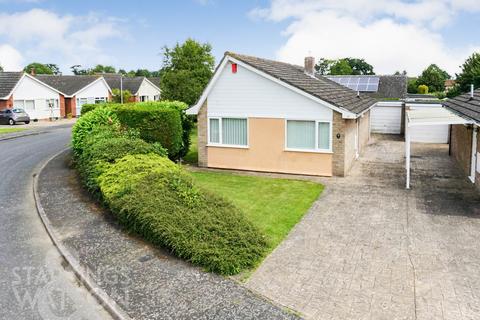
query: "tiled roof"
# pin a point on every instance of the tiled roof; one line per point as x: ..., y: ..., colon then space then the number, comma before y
x: 131, y: 84
x: 391, y: 86
x: 68, y: 85
x: 319, y: 86
x: 466, y: 105
x: 8, y: 81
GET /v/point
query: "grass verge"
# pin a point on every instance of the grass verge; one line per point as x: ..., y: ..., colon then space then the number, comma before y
x: 10, y: 130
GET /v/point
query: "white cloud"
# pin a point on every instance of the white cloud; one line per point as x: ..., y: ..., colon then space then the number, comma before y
x: 10, y: 58
x: 63, y: 39
x: 391, y: 35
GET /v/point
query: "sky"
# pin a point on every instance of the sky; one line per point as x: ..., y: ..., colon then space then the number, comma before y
x: 389, y: 34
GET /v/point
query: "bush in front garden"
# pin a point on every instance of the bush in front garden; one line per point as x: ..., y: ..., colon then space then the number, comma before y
x: 156, y: 123
x: 87, y: 124
x: 158, y: 200
x: 90, y: 106
x: 107, y: 146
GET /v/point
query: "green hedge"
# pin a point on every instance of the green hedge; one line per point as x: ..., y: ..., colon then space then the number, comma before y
x: 158, y: 200
x: 161, y: 121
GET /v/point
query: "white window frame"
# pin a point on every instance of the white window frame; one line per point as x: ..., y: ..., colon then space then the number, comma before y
x: 316, y: 149
x: 56, y: 104
x: 220, y: 144
x: 25, y: 104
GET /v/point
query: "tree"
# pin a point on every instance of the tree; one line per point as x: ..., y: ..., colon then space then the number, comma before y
x: 117, y: 97
x: 76, y: 69
x: 434, y: 78
x: 143, y: 73
x: 102, y: 69
x: 186, y: 70
x: 470, y: 73
x: 412, y: 86
x: 359, y: 66
x: 341, y: 67
x: 39, y: 68
x: 55, y: 69
x: 398, y: 73
x: 344, y: 66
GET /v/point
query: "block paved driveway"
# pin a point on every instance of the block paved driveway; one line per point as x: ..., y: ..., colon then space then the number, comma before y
x: 369, y: 249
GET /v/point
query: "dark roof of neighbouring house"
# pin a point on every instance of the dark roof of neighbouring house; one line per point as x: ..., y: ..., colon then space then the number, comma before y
x: 317, y: 86
x: 68, y: 85
x: 131, y: 84
x: 465, y: 105
x: 8, y: 81
x: 154, y: 80
x: 389, y: 86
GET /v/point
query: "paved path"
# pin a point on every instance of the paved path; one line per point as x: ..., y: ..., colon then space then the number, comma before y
x: 31, y: 273
x: 146, y: 282
x: 369, y: 249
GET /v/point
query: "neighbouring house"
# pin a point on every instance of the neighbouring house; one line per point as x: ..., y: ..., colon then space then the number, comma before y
x: 38, y: 99
x: 390, y: 90
x: 78, y: 90
x: 263, y: 115
x: 449, y: 84
x: 141, y: 88
x: 465, y: 138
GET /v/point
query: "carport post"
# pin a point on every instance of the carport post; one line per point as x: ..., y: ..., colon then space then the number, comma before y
x: 407, y: 153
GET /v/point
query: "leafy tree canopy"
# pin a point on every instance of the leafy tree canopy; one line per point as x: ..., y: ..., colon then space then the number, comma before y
x: 344, y: 66
x: 434, y: 78
x: 41, y: 68
x: 187, y: 68
x: 117, y: 97
x: 470, y: 73
x: 78, y: 70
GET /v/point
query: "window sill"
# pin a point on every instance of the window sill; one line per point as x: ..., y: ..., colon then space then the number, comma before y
x: 308, y: 151
x: 227, y: 146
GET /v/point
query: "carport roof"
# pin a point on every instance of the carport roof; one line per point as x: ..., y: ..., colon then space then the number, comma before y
x: 433, y: 116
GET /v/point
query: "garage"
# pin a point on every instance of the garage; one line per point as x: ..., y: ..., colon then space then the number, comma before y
x: 425, y: 119
x: 386, y: 117
x: 432, y: 133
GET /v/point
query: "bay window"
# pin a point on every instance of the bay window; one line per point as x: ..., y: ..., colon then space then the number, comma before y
x: 308, y: 135
x: 228, y: 131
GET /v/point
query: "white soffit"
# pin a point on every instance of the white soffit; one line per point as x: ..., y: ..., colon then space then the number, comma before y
x: 433, y: 116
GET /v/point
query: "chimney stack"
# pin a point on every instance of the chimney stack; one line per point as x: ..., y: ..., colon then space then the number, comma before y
x: 32, y: 71
x: 471, y: 91
x: 310, y: 65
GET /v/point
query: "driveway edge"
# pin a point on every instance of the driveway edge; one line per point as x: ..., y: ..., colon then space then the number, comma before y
x: 98, y: 293
x: 21, y: 135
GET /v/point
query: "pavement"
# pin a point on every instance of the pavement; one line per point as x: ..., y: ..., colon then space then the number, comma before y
x: 370, y: 249
x: 144, y: 281
x: 34, y: 280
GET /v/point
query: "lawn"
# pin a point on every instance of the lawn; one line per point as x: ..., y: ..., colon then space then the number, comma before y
x: 274, y: 205
x: 10, y: 130
x: 192, y: 155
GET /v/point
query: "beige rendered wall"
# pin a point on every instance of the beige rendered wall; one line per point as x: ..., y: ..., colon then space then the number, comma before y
x: 266, y: 152
x: 364, y: 130
x: 350, y: 136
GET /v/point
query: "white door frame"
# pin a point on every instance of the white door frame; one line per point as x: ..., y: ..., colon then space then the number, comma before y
x: 473, y: 160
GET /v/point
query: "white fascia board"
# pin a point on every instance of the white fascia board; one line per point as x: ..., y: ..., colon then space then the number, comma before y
x: 389, y: 103
x: 194, y: 109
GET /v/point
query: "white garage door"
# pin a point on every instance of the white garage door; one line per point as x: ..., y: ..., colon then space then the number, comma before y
x: 386, y: 119
x: 430, y: 134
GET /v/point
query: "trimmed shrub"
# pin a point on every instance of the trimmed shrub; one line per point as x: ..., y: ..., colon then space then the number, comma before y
x: 422, y: 89
x: 89, y: 107
x: 86, y: 125
x: 156, y: 123
x: 106, y: 147
x: 158, y: 200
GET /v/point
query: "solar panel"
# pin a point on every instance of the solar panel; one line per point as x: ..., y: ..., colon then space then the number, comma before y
x: 358, y: 83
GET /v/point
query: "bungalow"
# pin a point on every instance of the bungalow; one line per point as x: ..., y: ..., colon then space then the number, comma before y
x: 141, y: 88
x: 78, y: 90
x: 263, y: 115
x: 22, y: 90
x: 465, y: 139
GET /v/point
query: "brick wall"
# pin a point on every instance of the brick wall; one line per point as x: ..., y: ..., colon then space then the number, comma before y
x: 338, y: 145
x: 461, y: 146
x: 5, y: 104
x: 202, y: 123
x: 63, y: 114
x: 70, y: 106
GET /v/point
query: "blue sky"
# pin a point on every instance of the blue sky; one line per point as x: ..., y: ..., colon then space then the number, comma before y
x: 391, y: 35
